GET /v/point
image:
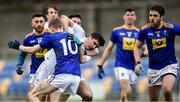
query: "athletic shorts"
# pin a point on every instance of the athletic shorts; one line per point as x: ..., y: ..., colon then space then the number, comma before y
x: 46, y: 68
x: 31, y: 77
x: 123, y: 73
x: 155, y: 76
x: 66, y: 83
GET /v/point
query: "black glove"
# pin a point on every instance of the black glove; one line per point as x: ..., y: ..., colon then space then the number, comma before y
x: 14, y: 44
x: 101, y: 73
x: 19, y: 70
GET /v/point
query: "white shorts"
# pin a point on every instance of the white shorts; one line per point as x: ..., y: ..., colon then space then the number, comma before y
x: 31, y: 77
x: 155, y: 76
x: 66, y: 83
x: 123, y: 73
x: 46, y: 68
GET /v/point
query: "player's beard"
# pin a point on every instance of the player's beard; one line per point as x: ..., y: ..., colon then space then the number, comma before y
x: 39, y: 29
x: 155, y: 23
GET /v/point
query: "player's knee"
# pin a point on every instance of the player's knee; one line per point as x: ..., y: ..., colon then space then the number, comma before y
x: 166, y: 89
x: 30, y: 96
x: 88, y: 96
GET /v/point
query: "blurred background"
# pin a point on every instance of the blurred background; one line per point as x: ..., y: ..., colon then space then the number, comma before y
x: 97, y: 15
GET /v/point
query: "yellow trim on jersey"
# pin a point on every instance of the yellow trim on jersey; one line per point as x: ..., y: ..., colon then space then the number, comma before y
x: 168, y: 25
x: 45, y: 30
x: 31, y: 33
x: 162, y: 23
x: 159, y: 43
x: 125, y: 27
x: 145, y: 26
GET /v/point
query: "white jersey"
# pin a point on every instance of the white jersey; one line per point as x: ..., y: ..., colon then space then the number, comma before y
x: 48, y: 66
x: 78, y: 30
x: 46, y: 25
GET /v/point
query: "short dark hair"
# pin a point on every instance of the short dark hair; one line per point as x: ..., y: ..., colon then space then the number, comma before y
x: 129, y: 10
x: 99, y: 37
x: 75, y: 15
x: 37, y: 15
x: 55, y: 23
x: 160, y: 9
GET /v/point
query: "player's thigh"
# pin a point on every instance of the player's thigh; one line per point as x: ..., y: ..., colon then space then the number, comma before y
x: 54, y: 95
x: 168, y: 82
x: 84, y: 88
x: 125, y: 84
x: 43, y: 88
x: 169, y: 74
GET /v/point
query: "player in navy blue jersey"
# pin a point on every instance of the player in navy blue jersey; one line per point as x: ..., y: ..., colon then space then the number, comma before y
x: 32, y: 39
x: 163, y: 65
x: 124, y: 37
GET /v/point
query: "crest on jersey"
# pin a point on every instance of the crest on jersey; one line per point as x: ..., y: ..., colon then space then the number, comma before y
x: 158, y: 33
x: 39, y: 40
x: 135, y: 35
x: 129, y: 34
x: 165, y: 33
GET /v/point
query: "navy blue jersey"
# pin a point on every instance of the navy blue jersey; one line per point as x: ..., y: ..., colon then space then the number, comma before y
x: 160, y: 44
x: 66, y: 51
x: 38, y: 57
x: 124, y: 40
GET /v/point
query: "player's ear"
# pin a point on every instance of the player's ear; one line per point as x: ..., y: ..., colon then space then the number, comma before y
x: 162, y: 17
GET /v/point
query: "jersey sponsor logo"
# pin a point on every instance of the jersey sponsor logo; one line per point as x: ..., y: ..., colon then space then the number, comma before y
x: 122, y: 34
x: 32, y: 41
x: 128, y: 43
x: 150, y: 34
x: 159, y: 43
x: 41, y: 53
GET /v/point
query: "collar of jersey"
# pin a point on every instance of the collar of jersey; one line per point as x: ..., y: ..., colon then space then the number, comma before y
x: 45, y: 30
x: 128, y: 28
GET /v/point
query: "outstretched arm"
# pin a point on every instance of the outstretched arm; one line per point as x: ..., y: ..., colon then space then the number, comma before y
x: 16, y: 45
x: 106, y: 53
x: 30, y: 49
x: 137, y: 57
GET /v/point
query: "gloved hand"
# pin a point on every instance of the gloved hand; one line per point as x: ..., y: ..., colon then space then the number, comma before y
x: 14, y: 44
x: 19, y: 69
x: 138, y: 68
x: 101, y: 73
x: 75, y: 39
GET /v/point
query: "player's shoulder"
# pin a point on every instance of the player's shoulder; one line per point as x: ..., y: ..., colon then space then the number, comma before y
x: 146, y: 26
x: 29, y: 34
x: 168, y: 25
x: 136, y: 28
x: 118, y: 28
